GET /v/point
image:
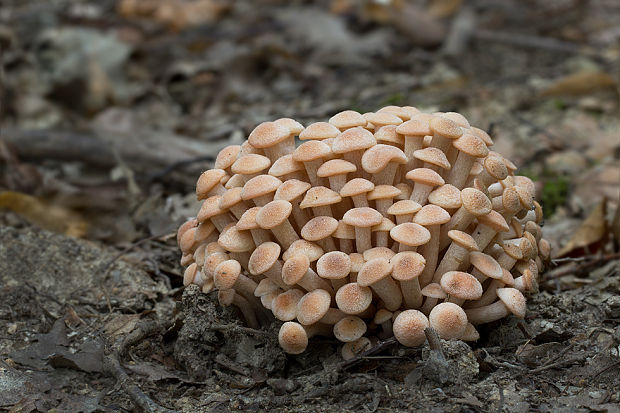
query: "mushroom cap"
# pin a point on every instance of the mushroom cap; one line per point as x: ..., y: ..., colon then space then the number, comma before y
x: 260, y: 185
x: 285, y: 165
x: 234, y: 240
x: 357, y: 260
x: 418, y: 125
x: 265, y: 286
x: 350, y: 328
x: 293, y: 126
x: 409, y: 328
x: 509, y: 280
x: 376, y: 158
x: 301, y: 246
x: 482, y: 135
x: 353, y: 299
x: 471, y: 145
x: 380, y: 119
x: 463, y: 239
x: 227, y: 156
x: 333, y: 265
x: 404, y: 207
x: 319, y: 131
x: 388, y: 134
x: 456, y: 118
x: 354, y: 139
x: 295, y: 268
x: 516, y: 250
x: 514, y: 301
x: 335, y: 167
x: 495, y: 167
x: 284, y: 306
x: 230, y: 198
x: 446, y: 196
x: 263, y: 257
x: 250, y: 164
x: 461, y: 285
x: 207, y: 181
x: 433, y: 156
x: 313, y: 306
x: 226, y: 274
x: 449, y: 320
x: 319, y: 228
x: 475, y: 202
x: 190, y: 274
x: 407, y: 265
x: 293, y: 338
x: 214, y: 247
x: 511, y: 201
x: 433, y: 290
x: 386, y: 225
x: 319, y: 196
x: 382, y: 315
x: 374, y: 271
x: 443, y: 126
x: 410, y: 234
x: 248, y: 219
x: 235, y: 181
x: 210, y: 207
x: 402, y: 113
x: 494, y: 220
x: 431, y: 215
x: 356, y: 186
x: 383, y: 192
x: 188, y: 243
x: 363, y: 217
x: 268, y: 134
x: 291, y: 189
x: 352, y: 349
x: 310, y: 151
x: 190, y: 223
x: 347, y: 119
x: 486, y: 264
x: 273, y: 214
x: 344, y: 231
x: 470, y: 334
x: 425, y: 176
x: 377, y: 252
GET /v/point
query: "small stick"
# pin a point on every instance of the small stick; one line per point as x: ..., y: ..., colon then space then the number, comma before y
x: 434, y: 343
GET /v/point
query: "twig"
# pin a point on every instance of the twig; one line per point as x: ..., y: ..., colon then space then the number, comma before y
x: 382, y: 345
x: 593, y: 261
x: 532, y: 42
x: 225, y: 328
x: 434, y: 343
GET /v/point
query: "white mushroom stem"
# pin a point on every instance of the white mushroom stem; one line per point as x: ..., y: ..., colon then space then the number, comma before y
x: 260, y: 236
x: 389, y: 292
x: 360, y: 200
x: 401, y: 219
x: 311, y: 168
x: 327, y: 244
x: 275, y: 274
x: 460, y: 170
x: 428, y: 305
x: 336, y: 182
x: 332, y: 316
x: 300, y: 216
x: 363, y: 240
x: 488, y: 313
x: 263, y: 199
x: 381, y: 238
x: 311, y: 281
x: 247, y: 310
x: 346, y: 245
x: 430, y: 252
x: 221, y: 221
x: 412, y: 144
x: 355, y: 157
x: 382, y: 205
x: 285, y: 234
x: 420, y: 192
x: 452, y: 259
x: 461, y: 219
x: 280, y: 149
x: 489, y: 295
x: 323, y: 210
x: 385, y: 176
x: 411, y: 293
x: 242, y: 257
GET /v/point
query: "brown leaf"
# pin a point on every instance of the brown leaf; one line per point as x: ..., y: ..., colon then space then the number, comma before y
x: 444, y: 8
x: 589, y: 235
x: 580, y: 84
x: 121, y: 324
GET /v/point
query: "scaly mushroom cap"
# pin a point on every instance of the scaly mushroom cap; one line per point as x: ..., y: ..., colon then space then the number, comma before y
x: 356, y: 186
x: 291, y: 190
x: 353, y: 299
x: 333, y: 265
x: 319, y: 196
x: 433, y: 156
x: 374, y: 271
x: 268, y: 134
x: 471, y: 145
x: 285, y: 165
x: 347, y: 119
x: 425, y: 176
x: 376, y: 158
x: 449, y: 320
x: 418, y: 125
x: 234, y: 240
x: 362, y: 217
x: 309, y: 249
x: 335, y: 167
x: 313, y: 306
x: 207, y: 181
x: 273, y: 214
x: 310, y: 151
x: 319, y: 131
x: 407, y: 265
x: 461, y: 285
x: 260, y: 185
x: 514, y: 301
x: 263, y: 258
x: 446, y: 196
x: 353, y: 139
x: 293, y: 338
x: 349, y: 329
x: 410, y: 234
x: 250, y: 164
x: 284, y: 306
x: 431, y: 215
x: 295, y: 268
x: 318, y: 228
x: 409, y: 328
x: 227, y: 156
x: 388, y: 134
x: 443, y: 126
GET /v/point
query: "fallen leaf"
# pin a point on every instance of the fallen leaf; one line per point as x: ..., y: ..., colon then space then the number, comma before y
x: 589, y: 235
x: 121, y: 324
x: 580, y: 84
x: 176, y: 14
x: 444, y: 8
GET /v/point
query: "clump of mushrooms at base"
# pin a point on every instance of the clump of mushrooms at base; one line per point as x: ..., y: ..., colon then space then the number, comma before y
x: 372, y: 225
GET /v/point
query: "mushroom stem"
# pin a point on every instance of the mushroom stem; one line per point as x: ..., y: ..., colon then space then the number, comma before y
x: 488, y: 313
x: 285, y: 234
x: 388, y: 291
x: 461, y: 219
x: 460, y: 170
x: 332, y: 316
x: 363, y: 240
x: 385, y: 176
x: 428, y: 305
x: 346, y: 245
x: 411, y: 293
x: 452, y: 259
x: 420, y: 192
x: 430, y: 252
x: 355, y: 157
x: 311, y: 168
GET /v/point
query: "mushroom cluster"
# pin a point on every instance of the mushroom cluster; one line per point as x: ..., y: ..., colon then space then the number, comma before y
x: 378, y: 224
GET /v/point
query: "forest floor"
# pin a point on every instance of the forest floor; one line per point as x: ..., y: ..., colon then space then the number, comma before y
x: 111, y: 110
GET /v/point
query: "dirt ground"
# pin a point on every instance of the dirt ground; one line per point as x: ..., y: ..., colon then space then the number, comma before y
x: 110, y: 110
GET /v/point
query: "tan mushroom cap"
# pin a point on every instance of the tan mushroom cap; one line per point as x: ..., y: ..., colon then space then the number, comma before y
x: 334, y: 265
x: 214, y: 247
x: 431, y: 215
x: 433, y: 290
x: 456, y: 118
x: 319, y: 196
x: 463, y: 239
x: 189, y: 274
x: 301, y: 246
x: 377, y: 252
x: 260, y: 185
x: 486, y: 264
x: 344, y: 231
x: 233, y: 240
x: 383, y: 192
x: 353, y: 299
x: 363, y: 217
x: 230, y: 198
x: 263, y: 258
x: 268, y: 134
x: 443, y: 126
x: 354, y: 348
x: 475, y: 201
x: 388, y: 134
x: 284, y: 306
x: 376, y: 158
x: 295, y: 268
x: 248, y: 219
x: 226, y: 274
x: 207, y: 181
x: 402, y: 113
x: 320, y: 131
x: 210, y: 207
x: 418, y: 125
x: 382, y: 315
x: 517, y: 250
x: 494, y: 220
x: 353, y: 139
x: 482, y: 135
x: 425, y: 176
x: 291, y: 189
x: 227, y: 156
x: 449, y: 320
x: 293, y: 338
x: 379, y: 119
x: 356, y: 186
x: 407, y: 265
x: 250, y: 164
x: 235, y: 181
x: 190, y: 223
x: 310, y: 151
x: 514, y: 301
x: 293, y: 126
x: 273, y: 214
x: 409, y: 328
x: 386, y: 225
x: 265, y: 286
x: 313, y: 306
x: 496, y: 167
x: 471, y: 145
x: 433, y: 156
x: 373, y: 271
x: 335, y: 167
x: 347, y: 119
x: 446, y: 196
x: 509, y: 280
x: 349, y: 329
x: 285, y: 165
x: 203, y: 231
x: 403, y: 207
x: 410, y: 234
x: 461, y: 285
x: 319, y: 228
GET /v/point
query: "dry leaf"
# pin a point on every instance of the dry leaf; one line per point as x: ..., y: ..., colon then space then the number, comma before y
x: 589, y: 235
x: 44, y: 214
x: 444, y: 8
x: 121, y: 324
x: 176, y: 14
x: 581, y: 83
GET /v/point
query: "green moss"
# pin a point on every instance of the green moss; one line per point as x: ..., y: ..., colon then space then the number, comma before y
x: 397, y: 99
x: 555, y: 189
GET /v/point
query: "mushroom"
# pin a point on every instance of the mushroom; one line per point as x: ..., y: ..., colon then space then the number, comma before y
x: 349, y: 329
x: 414, y: 131
x: 362, y: 219
x: 424, y: 181
x: 292, y: 191
x: 409, y: 328
x: 431, y: 217
x: 376, y: 275
x: 357, y: 189
x: 334, y: 266
x: 381, y: 162
x: 274, y: 216
x: 250, y: 165
x: 274, y: 138
x: 406, y: 268
x: 320, y: 230
x: 351, y: 144
x: 510, y: 301
x: 260, y: 189
x: 448, y: 320
x: 226, y: 157
x: 297, y: 270
x: 311, y: 153
x: 320, y: 200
